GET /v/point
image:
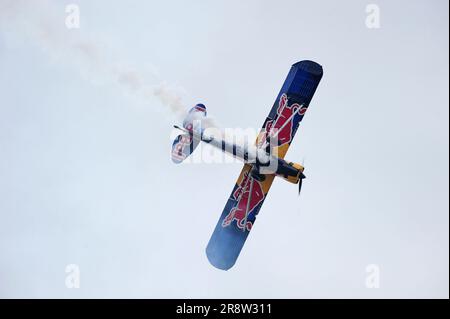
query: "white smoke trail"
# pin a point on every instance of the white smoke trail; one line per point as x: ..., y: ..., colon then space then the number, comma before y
x: 42, y: 23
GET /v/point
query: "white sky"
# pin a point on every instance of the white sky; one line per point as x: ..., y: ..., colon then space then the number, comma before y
x: 85, y: 170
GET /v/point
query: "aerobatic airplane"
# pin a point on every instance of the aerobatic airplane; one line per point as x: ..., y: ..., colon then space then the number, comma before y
x: 262, y: 161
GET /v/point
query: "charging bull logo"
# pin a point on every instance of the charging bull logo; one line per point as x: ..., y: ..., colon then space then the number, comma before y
x: 283, y: 124
x: 181, y: 148
x: 242, y: 195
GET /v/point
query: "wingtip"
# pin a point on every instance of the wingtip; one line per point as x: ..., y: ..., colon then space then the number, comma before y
x: 309, y: 66
x: 218, y: 263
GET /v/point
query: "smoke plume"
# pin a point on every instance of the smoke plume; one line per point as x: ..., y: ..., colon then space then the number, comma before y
x: 42, y: 24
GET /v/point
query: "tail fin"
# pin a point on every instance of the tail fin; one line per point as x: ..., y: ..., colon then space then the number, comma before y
x: 184, y: 144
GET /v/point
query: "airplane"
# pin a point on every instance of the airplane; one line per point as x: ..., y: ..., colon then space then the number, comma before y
x: 262, y: 161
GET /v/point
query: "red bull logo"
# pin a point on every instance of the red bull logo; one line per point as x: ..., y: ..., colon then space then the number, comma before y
x: 179, y: 151
x: 242, y: 195
x: 285, y: 112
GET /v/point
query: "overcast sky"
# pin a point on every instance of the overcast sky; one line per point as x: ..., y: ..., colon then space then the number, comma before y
x: 85, y: 170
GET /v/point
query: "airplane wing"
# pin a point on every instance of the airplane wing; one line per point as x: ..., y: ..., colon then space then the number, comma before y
x: 248, y: 194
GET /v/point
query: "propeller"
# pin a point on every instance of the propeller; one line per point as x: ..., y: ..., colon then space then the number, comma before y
x: 302, y: 176
x: 300, y: 182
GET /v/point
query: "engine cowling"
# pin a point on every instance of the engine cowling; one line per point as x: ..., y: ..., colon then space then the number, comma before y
x: 290, y: 171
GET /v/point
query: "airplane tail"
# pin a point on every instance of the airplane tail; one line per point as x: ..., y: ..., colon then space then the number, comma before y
x: 185, y: 143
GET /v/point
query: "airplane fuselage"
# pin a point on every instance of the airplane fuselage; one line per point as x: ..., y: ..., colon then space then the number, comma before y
x: 263, y: 163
